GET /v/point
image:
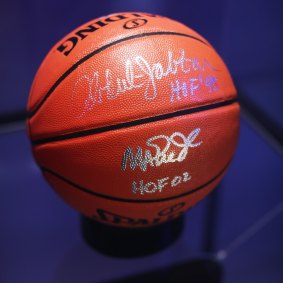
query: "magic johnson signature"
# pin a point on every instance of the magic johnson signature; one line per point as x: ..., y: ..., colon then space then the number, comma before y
x: 175, y: 150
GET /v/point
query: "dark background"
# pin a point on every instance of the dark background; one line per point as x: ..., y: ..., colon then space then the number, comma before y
x: 39, y: 236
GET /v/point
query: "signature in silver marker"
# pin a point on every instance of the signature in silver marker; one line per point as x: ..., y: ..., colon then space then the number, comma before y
x: 157, y: 156
x: 139, y: 74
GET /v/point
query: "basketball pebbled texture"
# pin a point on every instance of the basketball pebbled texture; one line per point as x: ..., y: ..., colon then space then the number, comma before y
x: 133, y: 119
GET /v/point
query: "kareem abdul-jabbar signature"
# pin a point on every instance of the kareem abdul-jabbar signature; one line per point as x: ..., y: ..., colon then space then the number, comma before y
x: 139, y: 74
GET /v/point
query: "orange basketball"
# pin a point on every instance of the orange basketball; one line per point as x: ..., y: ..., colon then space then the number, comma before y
x: 133, y: 119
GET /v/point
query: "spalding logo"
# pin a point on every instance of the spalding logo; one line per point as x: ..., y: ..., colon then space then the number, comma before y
x: 69, y: 44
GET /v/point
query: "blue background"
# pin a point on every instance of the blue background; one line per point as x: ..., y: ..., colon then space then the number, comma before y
x: 40, y: 239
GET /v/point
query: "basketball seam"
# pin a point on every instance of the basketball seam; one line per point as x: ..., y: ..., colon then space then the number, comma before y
x: 88, y: 191
x: 31, y: 113
x: 128, y: 124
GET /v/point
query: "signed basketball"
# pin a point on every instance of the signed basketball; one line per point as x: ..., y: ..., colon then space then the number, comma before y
x: 133, y: 119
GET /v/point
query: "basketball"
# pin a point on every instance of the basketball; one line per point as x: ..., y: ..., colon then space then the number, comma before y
x: 133, y: 119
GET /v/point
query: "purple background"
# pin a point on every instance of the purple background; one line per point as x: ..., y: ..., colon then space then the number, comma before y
x: 39, y: 236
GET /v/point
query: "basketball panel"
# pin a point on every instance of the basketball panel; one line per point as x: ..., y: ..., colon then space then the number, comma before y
x: 91, y: 36
x: 122, y: 163
x: 144, y: 77
x: 127, y: 214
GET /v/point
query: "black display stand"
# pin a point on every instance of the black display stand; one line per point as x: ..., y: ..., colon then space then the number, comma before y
x: 135, y: 242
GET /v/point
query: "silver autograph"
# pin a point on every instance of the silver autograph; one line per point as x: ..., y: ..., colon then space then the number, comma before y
x: 139, y: 74
x: 157, y: 156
